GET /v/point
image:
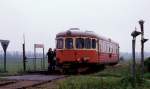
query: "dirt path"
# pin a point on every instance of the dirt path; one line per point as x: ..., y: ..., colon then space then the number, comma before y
x: 30, y: 81
x: 48, y: 85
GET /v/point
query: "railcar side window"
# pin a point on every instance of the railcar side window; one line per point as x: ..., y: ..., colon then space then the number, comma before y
x: 69, y: 43
x: 80, y: 43
x: 93, y: 43
x: 87, y: 43
x: 60, y: 43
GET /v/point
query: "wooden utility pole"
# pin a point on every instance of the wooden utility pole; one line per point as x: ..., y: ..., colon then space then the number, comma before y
x: 133, y: 61
x: 143, y: 40
x: 24, y: 57
x: 134, y: 34
x: 34, y: 57
x: 24, y: 54
x: 141, y: 22
x: 43, y: 59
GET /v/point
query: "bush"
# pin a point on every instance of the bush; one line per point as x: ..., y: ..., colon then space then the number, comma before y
x: 147, y: 75
x: 147, y: 64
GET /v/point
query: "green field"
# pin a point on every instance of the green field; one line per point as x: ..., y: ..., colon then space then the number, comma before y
x: 15, y: 66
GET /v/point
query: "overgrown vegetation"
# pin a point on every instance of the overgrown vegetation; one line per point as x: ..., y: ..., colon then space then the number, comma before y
x: 147, y: 64
x: 93, y: 82
x: 88, y: 82
x: 117, y: 77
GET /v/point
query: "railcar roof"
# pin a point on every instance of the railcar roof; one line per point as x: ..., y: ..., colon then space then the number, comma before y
x: 80, y: 33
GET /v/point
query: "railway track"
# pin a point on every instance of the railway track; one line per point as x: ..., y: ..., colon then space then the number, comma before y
x: 27, y: 81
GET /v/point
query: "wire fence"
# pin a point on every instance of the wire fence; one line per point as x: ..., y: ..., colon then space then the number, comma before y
x: 14, y: 64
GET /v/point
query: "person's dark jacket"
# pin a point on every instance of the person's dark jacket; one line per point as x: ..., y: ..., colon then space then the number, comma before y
x: 50, y: 55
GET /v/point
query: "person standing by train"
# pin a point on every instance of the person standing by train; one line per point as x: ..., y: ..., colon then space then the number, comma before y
x: 54, y: 61
x: 50, y: 55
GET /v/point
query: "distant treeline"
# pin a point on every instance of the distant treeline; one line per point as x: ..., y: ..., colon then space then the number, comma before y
x: 128, y: 56
x: 18, y: 55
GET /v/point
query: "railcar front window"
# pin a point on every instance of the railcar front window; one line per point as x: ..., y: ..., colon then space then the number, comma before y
x: 60, y: 43
x: 79, y: 43
x: 93, y: 43
x: 69, y: 43
x: 87, y: 43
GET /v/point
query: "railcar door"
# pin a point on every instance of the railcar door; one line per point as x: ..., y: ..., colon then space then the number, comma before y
x: 98, y: 50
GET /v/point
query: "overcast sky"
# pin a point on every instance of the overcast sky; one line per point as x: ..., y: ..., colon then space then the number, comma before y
x: 40, y: 20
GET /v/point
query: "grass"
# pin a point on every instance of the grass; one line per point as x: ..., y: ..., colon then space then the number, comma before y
x: 15, y: 67
x: 117, y: 77
x: 91, y: 82
x: 87, y: 82
x: 115, y: 71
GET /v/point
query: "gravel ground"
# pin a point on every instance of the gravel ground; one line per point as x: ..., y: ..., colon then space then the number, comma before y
x: 32, y: 81
x: 49, y: 85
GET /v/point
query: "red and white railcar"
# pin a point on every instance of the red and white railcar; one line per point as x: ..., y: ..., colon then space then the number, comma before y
x: 85, y: 47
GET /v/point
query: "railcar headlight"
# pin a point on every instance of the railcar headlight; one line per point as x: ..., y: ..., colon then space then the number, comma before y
x: 86, y: 58
x: 78, y: 59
